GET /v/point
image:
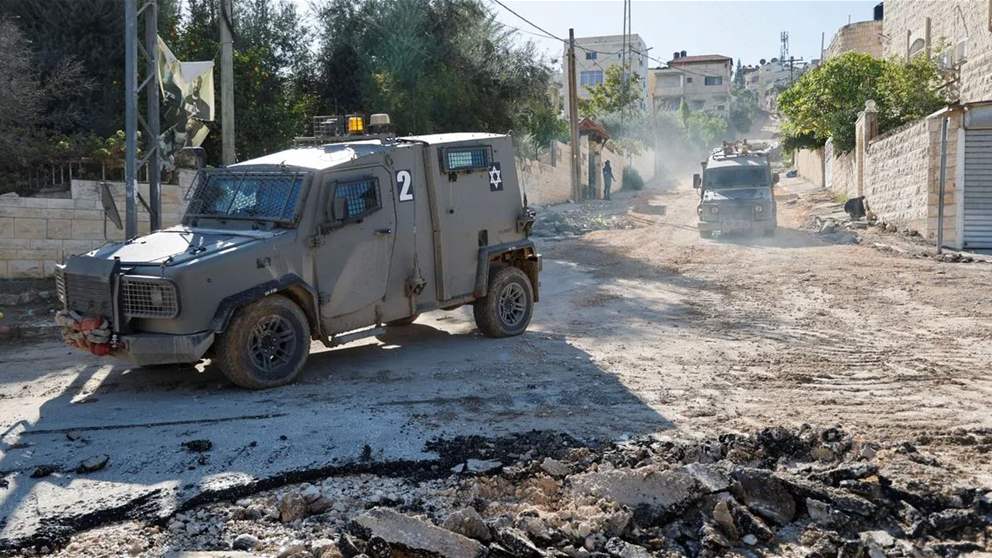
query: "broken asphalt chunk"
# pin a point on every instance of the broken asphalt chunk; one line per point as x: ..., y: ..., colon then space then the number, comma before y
x: 93, y: 464
x: 413, y: 535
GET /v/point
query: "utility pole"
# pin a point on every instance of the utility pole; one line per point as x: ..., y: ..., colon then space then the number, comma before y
x: 573, y: 118
x: 226, y: 84
x: 150, y: 124
x: 130, y: 118
x: 154, y: 122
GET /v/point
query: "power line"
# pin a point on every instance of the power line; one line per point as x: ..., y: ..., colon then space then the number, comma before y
x: 531, y: 23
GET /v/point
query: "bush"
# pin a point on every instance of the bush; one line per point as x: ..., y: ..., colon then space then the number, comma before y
x: 632, y: 179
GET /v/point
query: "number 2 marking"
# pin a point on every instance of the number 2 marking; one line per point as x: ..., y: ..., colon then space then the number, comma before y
x: 405, y: 181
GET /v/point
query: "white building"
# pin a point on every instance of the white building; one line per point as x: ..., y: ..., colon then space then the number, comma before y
x: 594, y: 55
x: 703, y: 82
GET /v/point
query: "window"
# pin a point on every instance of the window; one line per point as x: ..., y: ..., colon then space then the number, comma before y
x: 471, y: 158
x: 590, y: 78
x: 688, y: 80
x: 591, y: 55
x: 721, y: 107
x: 714, y: 80
x: 230, y: 194
x: 361, y: 198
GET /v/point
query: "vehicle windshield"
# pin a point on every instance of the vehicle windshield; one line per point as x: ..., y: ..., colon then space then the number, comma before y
x: 259, y: 196
x: 736, y: 177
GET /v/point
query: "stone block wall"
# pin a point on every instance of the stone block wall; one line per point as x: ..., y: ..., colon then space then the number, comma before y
x: 861, y: 36
x: 838, y: 172
x: 809, y: 164
x: 896, y: 173
x: 547, y: 184
x: 38, y: 233
x: 951, y: 21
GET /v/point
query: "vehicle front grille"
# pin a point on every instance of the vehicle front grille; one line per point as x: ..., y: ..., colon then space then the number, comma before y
x: 148, y: 297
x: 87, y: 295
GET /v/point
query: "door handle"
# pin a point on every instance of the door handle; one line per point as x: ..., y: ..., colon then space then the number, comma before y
x: 386, y: 230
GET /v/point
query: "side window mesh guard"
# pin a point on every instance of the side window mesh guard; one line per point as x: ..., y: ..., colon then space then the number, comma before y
x: 361, y: 197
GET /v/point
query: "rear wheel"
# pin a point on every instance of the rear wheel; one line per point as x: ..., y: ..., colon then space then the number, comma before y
x: 507, y: 308
x: 265, y: 345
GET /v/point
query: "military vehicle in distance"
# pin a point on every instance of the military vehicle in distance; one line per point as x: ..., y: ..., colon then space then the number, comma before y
x: 736, y: 192
x: 326, y: 242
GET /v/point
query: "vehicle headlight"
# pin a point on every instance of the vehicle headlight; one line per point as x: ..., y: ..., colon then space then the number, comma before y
x: 758, y: 209
x: 714, y: 209
x: 149, y: 297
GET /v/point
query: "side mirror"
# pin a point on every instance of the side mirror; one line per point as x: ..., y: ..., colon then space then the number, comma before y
x: 697, y: 181
x: 339, y: 209
x: 775, y: 178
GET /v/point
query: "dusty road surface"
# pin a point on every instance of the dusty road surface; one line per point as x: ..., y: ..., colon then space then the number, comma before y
x: 648, y: 331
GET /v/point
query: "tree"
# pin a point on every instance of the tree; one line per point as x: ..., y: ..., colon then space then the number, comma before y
x: 616, y: 94
x: 739, y: 75
x: 435, y: 66
x: 705, y: 130
x: 743, y: 109
x: 824, y: 103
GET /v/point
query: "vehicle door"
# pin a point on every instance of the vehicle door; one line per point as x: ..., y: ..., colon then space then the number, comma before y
x: 355, y: 244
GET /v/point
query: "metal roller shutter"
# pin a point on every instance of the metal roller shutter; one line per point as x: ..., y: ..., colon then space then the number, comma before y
x: 978, y: 190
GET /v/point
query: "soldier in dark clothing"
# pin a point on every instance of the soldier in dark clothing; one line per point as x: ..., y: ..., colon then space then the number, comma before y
x: 607, y: 180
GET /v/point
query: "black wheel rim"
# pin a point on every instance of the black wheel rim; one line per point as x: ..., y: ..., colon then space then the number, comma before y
x: 272, y: 344
x: 512, y: 305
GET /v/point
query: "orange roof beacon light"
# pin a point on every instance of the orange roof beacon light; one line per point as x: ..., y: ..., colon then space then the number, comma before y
x: 356, y: 125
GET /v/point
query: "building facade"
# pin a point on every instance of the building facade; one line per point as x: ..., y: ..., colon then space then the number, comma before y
x: 861, y: 36
x: 703, y: 82
x: 594, y: 55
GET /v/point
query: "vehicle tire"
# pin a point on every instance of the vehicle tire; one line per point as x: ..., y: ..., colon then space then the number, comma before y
x: 403, y: 321
x: 769, y: 232
x: 507, y: 309
x: 265, y: 345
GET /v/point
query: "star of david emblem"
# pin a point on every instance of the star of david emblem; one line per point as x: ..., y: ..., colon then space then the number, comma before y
x: 495, y: 178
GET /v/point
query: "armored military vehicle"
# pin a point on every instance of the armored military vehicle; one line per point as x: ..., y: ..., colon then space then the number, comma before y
x: 736, y: 192
x: 326, y: 242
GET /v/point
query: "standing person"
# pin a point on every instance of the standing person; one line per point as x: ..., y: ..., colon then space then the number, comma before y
x: 607, y: 180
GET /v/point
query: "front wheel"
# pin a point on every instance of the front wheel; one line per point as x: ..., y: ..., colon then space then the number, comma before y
x: 265, y: 345
x: 507, y: 308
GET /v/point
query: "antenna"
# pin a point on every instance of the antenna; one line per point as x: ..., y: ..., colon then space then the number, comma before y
x: 785, y: 45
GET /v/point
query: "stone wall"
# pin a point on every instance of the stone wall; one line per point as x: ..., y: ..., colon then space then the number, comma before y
x: 809, y: 164
x: 38, y: 233
x: 862, y: 36
x: 547, y: 184
x: 896, y: 171
x: 838, y: 172
x: 951, y: 21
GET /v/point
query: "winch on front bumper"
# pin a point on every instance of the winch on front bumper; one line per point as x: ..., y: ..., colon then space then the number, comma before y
x: 99, y: 300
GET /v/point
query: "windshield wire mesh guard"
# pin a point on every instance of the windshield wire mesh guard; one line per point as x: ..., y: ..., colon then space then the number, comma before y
x: 149, y: 297
x: 245, y: 195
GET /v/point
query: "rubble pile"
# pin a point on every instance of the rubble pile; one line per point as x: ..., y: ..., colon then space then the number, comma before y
x: 577, y: 220
x: 779, y: 492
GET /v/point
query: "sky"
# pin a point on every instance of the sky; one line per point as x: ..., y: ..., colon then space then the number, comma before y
x: 747, y: 30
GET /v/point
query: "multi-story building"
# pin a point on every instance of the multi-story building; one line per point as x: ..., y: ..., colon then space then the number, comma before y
x: 703, y: 82
x: 594, y: 55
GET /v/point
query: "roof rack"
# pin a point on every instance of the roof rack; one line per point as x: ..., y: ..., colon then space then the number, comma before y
x: 740, y: 148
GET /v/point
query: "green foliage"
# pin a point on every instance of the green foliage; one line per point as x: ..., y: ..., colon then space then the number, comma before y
x: 614, y: 95
x: 632, y: 179
x: 684, y: 113
x: 705, y: 130
x: 435, y: 66
x: 743, y: 109
x: 824, y: 103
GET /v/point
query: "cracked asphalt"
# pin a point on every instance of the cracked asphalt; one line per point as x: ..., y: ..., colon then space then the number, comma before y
x: 649, y: 331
